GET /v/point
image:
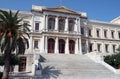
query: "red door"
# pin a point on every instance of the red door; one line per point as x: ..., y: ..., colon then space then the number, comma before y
x: 72, y: 47
x: 51, y: 45
x: 61, y: 46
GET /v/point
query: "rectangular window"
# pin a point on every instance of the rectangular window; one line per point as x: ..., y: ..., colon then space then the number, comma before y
x: 25, y: 23
x: 36, y: 26
x: 89, y: 32
x: 22, y: 65
x: 114, y: 48
x: 98, y: 32
x: 83, y: 47
x: 119, y: 35
x: 35, y: 44
x: 112, y: 34
x: 90, y: 47
x: 105, y: 33
x: 106, y: 47
x: 98, y: 46
x: 82, y: 30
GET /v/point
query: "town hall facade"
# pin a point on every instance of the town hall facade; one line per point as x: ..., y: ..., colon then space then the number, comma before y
x: 60, y: 30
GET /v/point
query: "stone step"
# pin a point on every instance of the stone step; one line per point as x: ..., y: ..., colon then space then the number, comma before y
x: 65, y: 66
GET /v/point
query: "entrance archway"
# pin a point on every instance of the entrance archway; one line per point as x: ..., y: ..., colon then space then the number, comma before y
x: 61, y: 46
x: 51, y: 45
x: 71, y: 46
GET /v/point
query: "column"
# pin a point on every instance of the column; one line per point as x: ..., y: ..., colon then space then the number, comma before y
x: 116, y: 34
x: 66, y: 25
x: 76, y: 46
x: 46, y: 44
x: 30, y: 50
x: 111, y: 48
x: 76, y: 26
x: 56, y: 46
x: 46, y: 28
x: 67, y: 46
x: 103, y: 48
x: 80, y: 46
x: 117, y: 46
x: 102, y: 32
x: 42, y: 44
x: 95, y: 46
x: 94, y: 32
x: 56, y: 23
x: 87, y: 46
x: 109, y: 33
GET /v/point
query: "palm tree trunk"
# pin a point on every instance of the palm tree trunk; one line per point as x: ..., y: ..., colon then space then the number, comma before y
x: 6, y: 65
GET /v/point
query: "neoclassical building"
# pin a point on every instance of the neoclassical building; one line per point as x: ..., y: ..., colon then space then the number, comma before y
x: 60, y: 30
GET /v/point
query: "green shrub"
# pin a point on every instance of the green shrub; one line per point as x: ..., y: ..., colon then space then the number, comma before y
x: 113, y: 60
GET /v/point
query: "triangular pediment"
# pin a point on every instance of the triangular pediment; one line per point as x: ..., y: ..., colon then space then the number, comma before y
x: 62, y: 9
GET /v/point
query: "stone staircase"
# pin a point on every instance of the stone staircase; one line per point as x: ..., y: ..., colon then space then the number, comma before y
x: 66, y: 66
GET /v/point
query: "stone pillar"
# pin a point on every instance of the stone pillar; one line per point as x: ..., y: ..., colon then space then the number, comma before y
x: 76, y: 26
x: 46, y: 26
x: 67, y: 46
x: 46, y: 44
x: 42, y: 44
x: 117, y: 46
x: 116, y: 34
x: 102, y: 32
x: 111, y: 48
x: 94, y: 32
x: 66, y: 25
x: 109, y: 33
x: 56, y: 23
x: 56, y: 46
x: 31, y: 45
x: 80, y: 46
x: 76, y: 46
x: 103, y: 48
x: 95, y: 47
x: 87, y: 46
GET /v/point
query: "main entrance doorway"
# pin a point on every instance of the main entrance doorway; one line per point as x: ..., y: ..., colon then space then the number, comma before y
x: 51, y: 45
x: 71, y: 46
x: 61, y: 46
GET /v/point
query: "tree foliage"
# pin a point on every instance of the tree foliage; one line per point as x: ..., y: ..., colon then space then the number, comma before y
x: 15, y: 60
x: 13, y: 38
x: 113, y: 60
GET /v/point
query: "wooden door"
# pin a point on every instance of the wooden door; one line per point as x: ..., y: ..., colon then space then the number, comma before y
x: 61, y: 46
x: 51, y: 45
x: 72, y: 47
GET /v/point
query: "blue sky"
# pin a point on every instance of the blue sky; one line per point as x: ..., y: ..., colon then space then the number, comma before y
x: 103, y: 10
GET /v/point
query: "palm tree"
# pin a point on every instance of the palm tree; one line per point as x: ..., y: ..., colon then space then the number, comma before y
x: 12, y: 37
